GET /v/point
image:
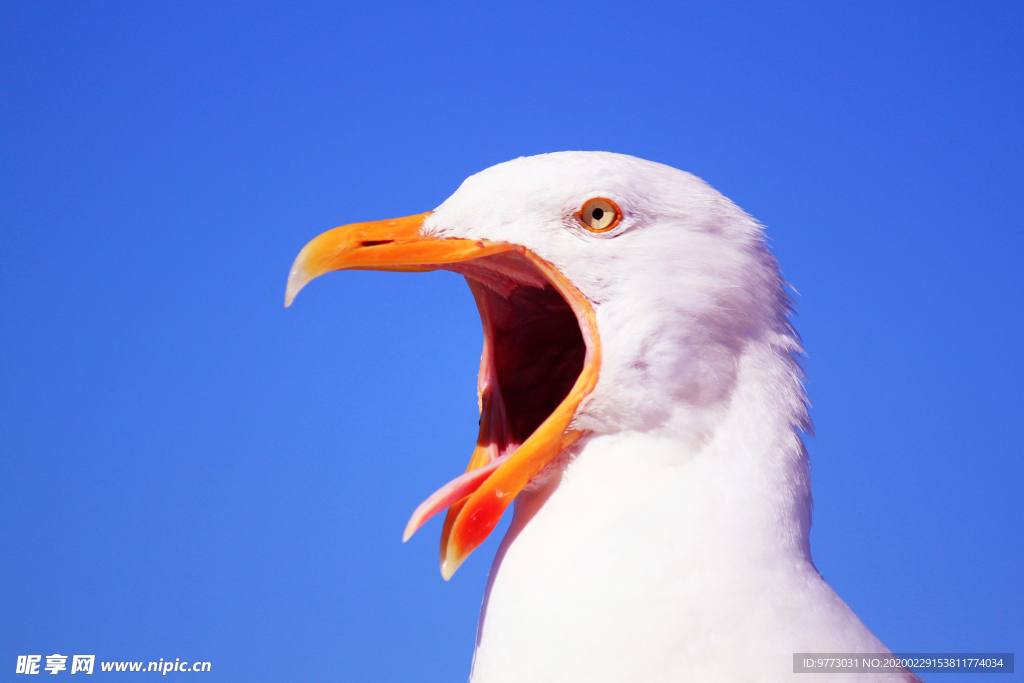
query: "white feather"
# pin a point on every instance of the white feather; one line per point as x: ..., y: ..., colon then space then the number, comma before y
x: 672, y: 543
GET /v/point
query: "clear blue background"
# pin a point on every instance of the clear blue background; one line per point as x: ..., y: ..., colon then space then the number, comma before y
x: 189, y: 470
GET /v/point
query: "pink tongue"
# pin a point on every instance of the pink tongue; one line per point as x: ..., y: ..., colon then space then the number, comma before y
x: 453, y: 491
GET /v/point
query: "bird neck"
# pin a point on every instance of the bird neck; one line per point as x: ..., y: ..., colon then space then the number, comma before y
x: 679, y: 529
x: 736, y: 468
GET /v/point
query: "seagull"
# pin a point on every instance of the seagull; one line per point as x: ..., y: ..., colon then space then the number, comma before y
x: 641, y: 400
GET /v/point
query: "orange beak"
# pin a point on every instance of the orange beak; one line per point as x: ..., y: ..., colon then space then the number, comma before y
x: 500, y: 468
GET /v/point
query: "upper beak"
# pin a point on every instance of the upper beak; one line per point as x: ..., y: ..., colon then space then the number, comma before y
x: 394, y: 244
x: 478, y: 498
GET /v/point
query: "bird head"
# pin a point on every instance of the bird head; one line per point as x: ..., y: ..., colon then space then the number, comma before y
x: 616, y: 294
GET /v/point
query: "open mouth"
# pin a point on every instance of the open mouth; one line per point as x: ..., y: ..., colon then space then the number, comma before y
x: 540, y: 360
x: 533, y: 354
x: 533, y: 348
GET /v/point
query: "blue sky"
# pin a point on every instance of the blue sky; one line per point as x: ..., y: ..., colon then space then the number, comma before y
x: 189, y: 470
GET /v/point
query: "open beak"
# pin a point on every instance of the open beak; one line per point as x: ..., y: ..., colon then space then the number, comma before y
x: 540, y: 360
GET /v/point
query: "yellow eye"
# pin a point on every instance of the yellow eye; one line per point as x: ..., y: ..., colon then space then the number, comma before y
x: 599, y: 215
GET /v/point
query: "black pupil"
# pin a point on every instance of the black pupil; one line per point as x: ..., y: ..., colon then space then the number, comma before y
x: 598, y: 214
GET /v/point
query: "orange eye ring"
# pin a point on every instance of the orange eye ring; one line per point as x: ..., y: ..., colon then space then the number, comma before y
x: 599, y: 214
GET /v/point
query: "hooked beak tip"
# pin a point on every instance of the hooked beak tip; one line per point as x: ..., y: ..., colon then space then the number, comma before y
x: 289, y: 293
x: 297, y: 279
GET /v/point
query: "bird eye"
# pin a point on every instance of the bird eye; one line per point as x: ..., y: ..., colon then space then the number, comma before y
x: 599, y: 215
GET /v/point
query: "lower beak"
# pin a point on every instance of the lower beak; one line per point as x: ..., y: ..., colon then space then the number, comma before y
x: 477, y: 499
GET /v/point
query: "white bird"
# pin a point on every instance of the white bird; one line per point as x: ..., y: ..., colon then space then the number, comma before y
x: 642, y: 402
